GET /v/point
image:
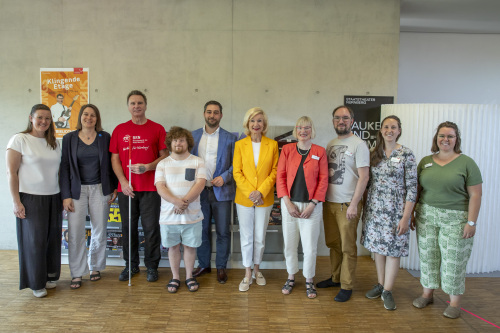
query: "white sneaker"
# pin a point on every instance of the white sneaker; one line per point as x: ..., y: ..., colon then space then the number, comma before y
x: 245, y: 284
x: 260, y: 279
x: 50, y: 285
x: 40, y: 293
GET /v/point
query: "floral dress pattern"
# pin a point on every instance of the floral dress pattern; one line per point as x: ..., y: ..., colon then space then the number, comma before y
x: 392, y: 182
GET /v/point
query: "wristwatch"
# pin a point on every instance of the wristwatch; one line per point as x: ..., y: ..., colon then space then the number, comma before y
x: 471, y: 223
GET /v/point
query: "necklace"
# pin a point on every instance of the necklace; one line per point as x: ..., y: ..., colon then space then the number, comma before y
x: 307, y: 152
x: 92, y: 135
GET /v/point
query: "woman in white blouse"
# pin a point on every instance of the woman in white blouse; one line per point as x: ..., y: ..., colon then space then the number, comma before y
x: 254, y: 171
x: 33, y: 158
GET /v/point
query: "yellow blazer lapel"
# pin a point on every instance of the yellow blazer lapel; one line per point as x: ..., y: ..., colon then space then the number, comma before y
x: 249, y: 154
x: 264, y: 151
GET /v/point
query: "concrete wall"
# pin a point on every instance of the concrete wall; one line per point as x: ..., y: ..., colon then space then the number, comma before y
x: 291, y: 57
x: 449, y: 68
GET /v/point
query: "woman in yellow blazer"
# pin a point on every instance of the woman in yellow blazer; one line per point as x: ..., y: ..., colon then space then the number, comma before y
x: 254, y: 170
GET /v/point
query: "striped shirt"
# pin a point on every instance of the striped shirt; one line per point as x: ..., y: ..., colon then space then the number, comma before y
x: 180, y: 177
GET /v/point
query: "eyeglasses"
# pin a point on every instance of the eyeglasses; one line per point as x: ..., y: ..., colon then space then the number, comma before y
x: 449, y: 137
x: 345, y: 118
x: 305, y: 128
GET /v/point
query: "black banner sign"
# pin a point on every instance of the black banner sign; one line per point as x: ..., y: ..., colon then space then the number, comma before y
x: 367, y: 115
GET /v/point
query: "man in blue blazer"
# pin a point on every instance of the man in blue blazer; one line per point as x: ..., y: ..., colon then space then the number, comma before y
x: 216, y: 146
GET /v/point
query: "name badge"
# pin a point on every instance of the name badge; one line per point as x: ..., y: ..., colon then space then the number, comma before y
x: 314, y: 157
x: 428, y: 165
x: 395, y: 159
x: 348, y: 153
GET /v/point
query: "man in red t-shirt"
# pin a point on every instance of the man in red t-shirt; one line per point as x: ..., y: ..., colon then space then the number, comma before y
x: 148, y: 148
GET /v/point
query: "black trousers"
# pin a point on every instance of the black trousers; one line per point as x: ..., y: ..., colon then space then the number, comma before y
x: 145, y: 205
x: 39, y: 240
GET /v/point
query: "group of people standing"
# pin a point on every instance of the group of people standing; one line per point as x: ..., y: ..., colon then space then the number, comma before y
x: 176, y: 184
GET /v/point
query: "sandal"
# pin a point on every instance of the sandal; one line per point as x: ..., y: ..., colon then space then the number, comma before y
x: 95, y: 277
x: 175, y: 286
x: 288, y: 287
x: 193, y: 285
x: 310, y: 290
x: 77, y: 284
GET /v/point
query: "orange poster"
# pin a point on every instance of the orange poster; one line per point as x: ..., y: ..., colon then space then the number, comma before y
x: 64, y: 90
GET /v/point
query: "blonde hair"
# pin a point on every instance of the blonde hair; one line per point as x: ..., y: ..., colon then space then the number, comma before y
x: 250, y: 115
x: 304, y: 120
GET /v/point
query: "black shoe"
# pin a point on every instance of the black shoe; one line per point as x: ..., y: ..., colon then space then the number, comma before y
x: 343, y: 295
x: 152, y: 275
x: 327, y: 283
x: 124, y: 273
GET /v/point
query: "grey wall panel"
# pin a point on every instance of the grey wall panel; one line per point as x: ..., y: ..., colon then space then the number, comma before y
x: 306, y: 54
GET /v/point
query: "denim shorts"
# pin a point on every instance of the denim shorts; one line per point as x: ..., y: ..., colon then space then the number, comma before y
x: 185, y: 234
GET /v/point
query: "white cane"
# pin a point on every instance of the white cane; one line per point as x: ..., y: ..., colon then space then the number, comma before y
x: 129, y: 212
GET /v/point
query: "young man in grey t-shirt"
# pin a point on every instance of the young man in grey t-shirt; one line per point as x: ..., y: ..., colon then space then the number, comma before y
x: 348, y: 167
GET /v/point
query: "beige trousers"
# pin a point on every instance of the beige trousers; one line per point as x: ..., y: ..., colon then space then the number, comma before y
x: 340, y: 237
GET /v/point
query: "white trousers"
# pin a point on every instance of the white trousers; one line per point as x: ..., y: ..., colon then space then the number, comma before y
x: 253, y: 227
x: 307, y: 230
x: 91, y: 201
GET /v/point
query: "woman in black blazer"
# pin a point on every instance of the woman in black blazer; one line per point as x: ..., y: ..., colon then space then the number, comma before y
x: 88, y: 184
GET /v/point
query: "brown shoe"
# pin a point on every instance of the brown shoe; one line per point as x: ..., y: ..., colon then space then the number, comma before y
x: 221, y: 275
x: 422, y: 302
x: 200, y: 271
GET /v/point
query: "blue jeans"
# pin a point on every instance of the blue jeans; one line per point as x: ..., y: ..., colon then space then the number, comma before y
x: 221, y: 212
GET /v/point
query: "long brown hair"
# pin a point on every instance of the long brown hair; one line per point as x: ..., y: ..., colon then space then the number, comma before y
x: 98, y: 126
x: 377, y: 154
x: 50, y: 133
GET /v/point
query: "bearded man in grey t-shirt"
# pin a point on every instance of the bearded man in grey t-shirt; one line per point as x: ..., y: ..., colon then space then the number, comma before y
x: 348, y: 167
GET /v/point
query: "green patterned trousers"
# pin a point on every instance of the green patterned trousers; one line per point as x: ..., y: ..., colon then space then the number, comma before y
x: 442, y: 249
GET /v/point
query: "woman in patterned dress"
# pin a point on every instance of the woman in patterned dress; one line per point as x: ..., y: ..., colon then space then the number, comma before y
x: 450, y: 190
x: 392, y: 192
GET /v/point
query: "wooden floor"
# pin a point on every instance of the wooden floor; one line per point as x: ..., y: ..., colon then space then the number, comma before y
x: 112, y: 306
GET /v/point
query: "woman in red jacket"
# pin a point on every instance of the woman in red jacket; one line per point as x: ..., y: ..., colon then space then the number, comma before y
x: 302, y: 181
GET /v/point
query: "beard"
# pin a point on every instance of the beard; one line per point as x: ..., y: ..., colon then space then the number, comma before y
x: 212, y: 123
x: 180, y: 150
x: 346, y: 130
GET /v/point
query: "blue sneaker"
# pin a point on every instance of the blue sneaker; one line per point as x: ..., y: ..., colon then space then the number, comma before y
x: 343, y: 295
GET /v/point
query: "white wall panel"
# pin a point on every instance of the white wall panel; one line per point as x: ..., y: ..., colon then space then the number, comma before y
x: 449, y: 68
x: 478, y: 124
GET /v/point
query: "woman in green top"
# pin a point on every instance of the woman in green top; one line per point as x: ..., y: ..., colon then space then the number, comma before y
x: 449, y: 200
